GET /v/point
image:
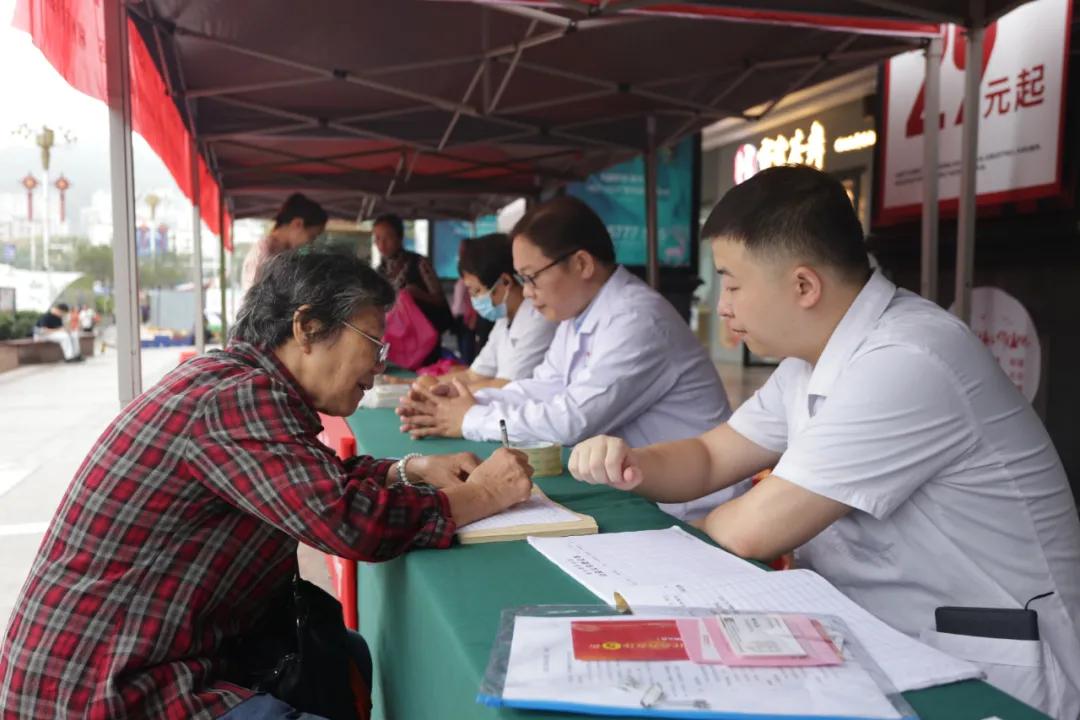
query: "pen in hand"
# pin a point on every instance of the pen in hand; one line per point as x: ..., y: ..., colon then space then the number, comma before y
x: 505, y: 436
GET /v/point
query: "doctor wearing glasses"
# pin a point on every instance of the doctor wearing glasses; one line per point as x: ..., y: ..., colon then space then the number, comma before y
x: 622, y: 362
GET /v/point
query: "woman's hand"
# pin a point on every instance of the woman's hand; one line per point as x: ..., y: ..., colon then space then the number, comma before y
x: 442, y: 471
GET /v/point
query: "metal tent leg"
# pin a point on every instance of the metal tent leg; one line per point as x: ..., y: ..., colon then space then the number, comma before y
x: 125, y: 269
x: 969, y: 151
x: 928, y: 285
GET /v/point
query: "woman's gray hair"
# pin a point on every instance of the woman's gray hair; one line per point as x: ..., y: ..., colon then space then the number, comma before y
x: 333, y: 286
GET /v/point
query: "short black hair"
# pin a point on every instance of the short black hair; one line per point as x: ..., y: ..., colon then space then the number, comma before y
x: 300, y: 206
x: 565, y: 224
x: 334, y: 286
x: 794, y: 210
x: 394, y: 221
x: 62, y: 307
x: 487, y: 257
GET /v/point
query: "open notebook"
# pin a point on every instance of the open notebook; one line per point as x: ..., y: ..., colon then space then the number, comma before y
x: 539, y: 515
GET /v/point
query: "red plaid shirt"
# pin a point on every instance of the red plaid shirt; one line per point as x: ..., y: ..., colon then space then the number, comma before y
x: 181, y: 522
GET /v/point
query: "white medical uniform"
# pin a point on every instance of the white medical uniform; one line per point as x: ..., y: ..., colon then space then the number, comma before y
x: 959, y: 496
x: 513, y: 350
x: 628, y: 366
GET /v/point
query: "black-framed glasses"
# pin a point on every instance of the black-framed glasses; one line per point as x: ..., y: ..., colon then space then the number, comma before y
x: 524, y: 279
x: 384, y: 347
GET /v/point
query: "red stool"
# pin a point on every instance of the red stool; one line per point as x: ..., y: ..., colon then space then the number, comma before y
x: 342, y: 570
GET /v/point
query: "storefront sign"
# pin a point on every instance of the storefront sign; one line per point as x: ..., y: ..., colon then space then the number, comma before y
x: 1020, y: 112
x: 855, y: 141
x: 802, y: 147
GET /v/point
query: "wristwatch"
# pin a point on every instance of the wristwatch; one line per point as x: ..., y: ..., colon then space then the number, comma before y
x: 403, y: 478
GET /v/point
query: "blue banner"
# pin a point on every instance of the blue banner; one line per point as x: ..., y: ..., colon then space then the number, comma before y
x: 447, y: 237
x: 618, y: 197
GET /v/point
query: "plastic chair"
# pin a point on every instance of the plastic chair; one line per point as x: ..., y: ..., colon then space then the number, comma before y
x: 342, y: 570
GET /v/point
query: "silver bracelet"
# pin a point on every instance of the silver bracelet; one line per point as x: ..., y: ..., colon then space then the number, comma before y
x: 403, y: 478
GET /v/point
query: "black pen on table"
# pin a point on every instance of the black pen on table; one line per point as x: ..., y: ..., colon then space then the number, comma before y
x: 505, y: 435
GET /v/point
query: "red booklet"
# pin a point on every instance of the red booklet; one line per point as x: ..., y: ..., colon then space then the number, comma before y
x: 627, y: 640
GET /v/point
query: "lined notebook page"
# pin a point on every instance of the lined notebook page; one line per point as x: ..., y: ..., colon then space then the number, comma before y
x: 537, y: 510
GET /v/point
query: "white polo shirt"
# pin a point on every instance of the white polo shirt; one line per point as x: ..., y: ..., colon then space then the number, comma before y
x: 513, y: 350
x: 959, y: 496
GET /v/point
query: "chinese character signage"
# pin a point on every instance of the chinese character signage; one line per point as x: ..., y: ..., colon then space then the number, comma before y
x: 802, y: 147
x: 1020, y: 112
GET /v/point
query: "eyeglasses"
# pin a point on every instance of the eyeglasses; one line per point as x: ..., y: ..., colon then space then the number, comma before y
x: 524, y: 279
x: 384, y: 347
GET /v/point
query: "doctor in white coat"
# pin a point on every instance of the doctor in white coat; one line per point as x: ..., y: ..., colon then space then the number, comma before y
x: 622, y: 361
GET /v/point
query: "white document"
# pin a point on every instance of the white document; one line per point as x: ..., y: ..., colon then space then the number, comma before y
x: 537, y: 510
x: 543, y: 671
x: 909, y: 664
x: 616, y: 562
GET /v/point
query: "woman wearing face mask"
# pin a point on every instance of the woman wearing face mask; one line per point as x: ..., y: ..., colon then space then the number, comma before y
x: 521, y: 335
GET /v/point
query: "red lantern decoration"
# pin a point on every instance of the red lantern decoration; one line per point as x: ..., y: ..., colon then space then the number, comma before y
x: 30, y: 183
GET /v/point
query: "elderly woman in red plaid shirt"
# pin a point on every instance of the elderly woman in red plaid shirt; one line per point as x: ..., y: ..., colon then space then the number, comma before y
x: 181, y: 527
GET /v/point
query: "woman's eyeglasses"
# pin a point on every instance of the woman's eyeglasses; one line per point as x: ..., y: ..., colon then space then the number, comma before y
x: 524, y: 279
x: 384, y: 347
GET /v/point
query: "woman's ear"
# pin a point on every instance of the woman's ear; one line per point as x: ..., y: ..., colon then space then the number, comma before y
x: 585, y: 263
x: 305, y: 328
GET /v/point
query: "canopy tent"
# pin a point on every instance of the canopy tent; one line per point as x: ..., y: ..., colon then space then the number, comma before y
x: 453, y: 108
x: 889, y: 17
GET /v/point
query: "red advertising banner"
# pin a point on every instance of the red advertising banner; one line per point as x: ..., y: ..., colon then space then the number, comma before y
x: 1021, y: 113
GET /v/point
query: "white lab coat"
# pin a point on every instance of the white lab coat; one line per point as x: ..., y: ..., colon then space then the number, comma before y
x: 628, y: 366
x: 513, y: 350
x: 958, y: 496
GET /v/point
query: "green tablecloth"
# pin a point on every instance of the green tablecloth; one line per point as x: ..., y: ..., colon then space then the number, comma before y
x: 431, y: 616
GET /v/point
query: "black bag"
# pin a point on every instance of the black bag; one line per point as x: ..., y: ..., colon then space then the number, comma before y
x: 299, y: 653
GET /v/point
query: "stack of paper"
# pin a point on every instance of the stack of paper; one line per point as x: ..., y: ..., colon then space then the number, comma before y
x: 617, y: 562
x: 662, y: 568
x: 384, y: 396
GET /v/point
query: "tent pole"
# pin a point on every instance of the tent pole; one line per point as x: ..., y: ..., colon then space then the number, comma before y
x: 652, y: 244
x: 222, y: 280
x: 196, y: 248
x: 969, y: 150
x: 125, y: 267
x: 928, y: 285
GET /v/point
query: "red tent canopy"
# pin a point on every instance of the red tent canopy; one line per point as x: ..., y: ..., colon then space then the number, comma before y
x: 435, y: 109
x: 72, y: 37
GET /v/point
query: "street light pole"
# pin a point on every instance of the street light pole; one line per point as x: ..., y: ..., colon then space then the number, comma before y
x: 30, y: 183
x: 46, y: 140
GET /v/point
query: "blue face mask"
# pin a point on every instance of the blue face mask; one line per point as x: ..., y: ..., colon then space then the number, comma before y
x: 486, y: 308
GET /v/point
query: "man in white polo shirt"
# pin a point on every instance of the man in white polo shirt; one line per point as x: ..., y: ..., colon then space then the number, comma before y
x: 907, y: 469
